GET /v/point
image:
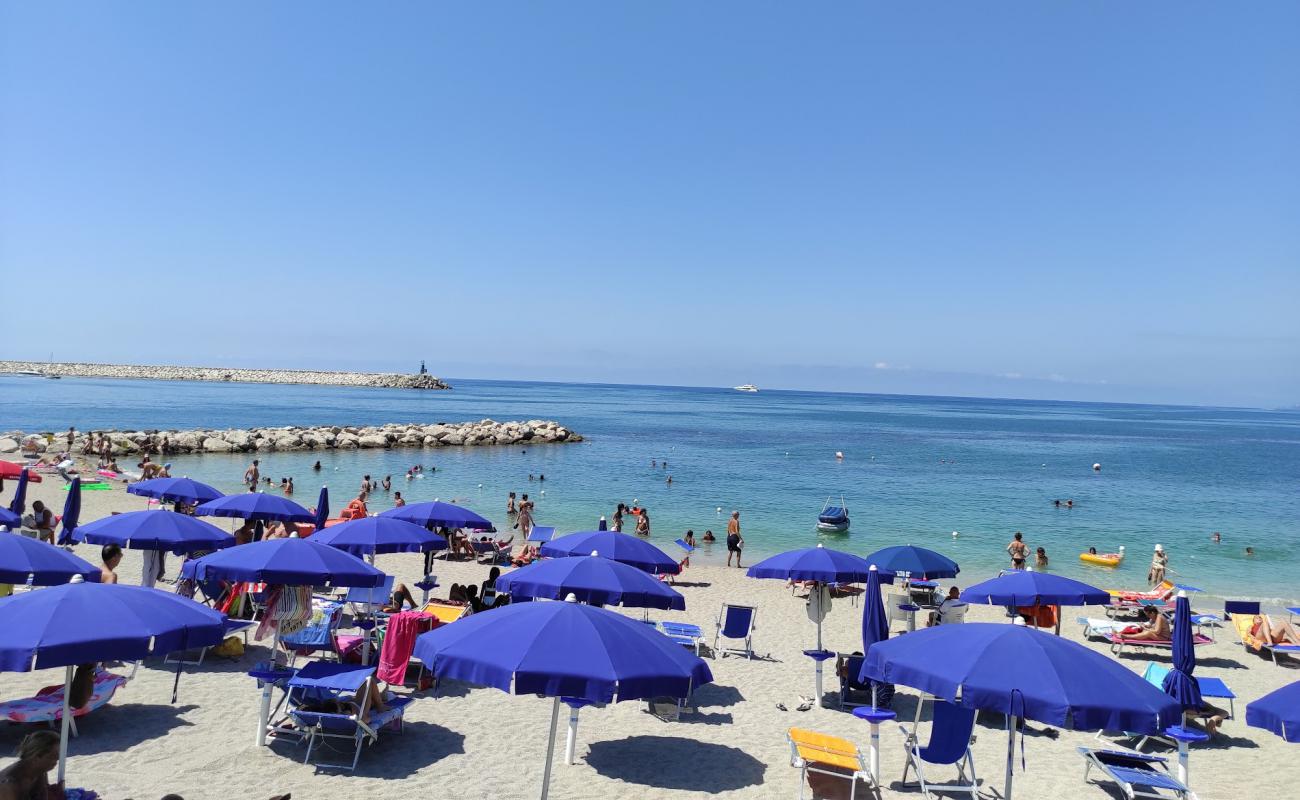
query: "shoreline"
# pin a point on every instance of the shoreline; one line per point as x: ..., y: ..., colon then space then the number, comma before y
x: 167, y: 372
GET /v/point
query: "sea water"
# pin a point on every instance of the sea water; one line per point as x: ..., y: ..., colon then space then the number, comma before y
x: 958, y: 475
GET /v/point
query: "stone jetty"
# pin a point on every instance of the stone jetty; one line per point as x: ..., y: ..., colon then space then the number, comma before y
x: 483, y: 433
x: 384, y: 380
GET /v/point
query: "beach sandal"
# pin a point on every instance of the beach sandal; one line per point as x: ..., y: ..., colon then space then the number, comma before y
x: 781, y: 707
x: 803, y: 706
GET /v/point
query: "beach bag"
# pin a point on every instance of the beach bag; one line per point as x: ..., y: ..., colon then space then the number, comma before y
x: 231, y: 647
x: 1131, y: 629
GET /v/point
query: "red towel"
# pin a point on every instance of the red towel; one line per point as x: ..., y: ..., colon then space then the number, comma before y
x: 403, y: 628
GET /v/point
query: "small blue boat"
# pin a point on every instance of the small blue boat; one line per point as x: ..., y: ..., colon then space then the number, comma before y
x: 833, y: 519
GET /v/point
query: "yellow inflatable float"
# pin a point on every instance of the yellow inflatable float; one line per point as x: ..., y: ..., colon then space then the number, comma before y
x: 1103, y: 559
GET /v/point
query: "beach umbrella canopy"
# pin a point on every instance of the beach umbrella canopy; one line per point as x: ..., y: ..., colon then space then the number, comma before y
x: 322, y: 508
x: 1278, y: 712
x: 22, y: 557
x: 183, y: 490
x: 82, y: 623
x: 616, y: 547
x: 9, y: 519
x: 18, y: 504
x: 1029, y: 588
x: 71, y: 511
x: 564, y: 650
x: 818, y: 563
x: 379, y: 535
x: 1179, y: 683
x: 1023, y: 673
x: 291, y: 561
x: 155, y: 530
x: 8, y: 469
x: 591, y: 579
x: 875, y: 628
x: 441, y: 515
x: 917, y: 562
x: 256, y: 506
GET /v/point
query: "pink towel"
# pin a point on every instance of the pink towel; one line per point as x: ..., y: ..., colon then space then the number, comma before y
x: 403, y: 628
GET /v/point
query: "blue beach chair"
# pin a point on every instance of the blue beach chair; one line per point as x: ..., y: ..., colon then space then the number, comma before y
x: 321, y: 633
x: 951, y: 735
x: 320, y: 681
x: 1137, y: 775
x: 736, y: 622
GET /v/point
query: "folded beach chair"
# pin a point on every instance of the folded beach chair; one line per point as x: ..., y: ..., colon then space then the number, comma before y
x: 951, y: 735
x: 1243, y: 623
x: 821, y: 754
x: 320, y: 681
x: 1119, y: 641
x: 47, y: 704
x: 848, y: 668
x: 1138, y: 775
x: 736, y: 622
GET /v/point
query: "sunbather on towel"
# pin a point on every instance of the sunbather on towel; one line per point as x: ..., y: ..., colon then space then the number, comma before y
x: 401, y: 596
x: 1156, y: 627
x: 25, y: 779
x: 1270, y: 632
x: 353, y: 706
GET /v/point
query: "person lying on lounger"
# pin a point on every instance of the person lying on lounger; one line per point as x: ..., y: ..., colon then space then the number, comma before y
x: 1270, y: 632
x: 1156, y: 628
x: 401, y: 596
x: 340, y: 706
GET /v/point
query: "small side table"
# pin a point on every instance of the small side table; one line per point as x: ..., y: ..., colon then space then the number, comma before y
x: 874, y: 716
x: 911, y: 615
x: 1184, y: 736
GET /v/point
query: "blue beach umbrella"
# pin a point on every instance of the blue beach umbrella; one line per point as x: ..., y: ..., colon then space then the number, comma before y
x: 18, y: 503
x: 291, y: 562
x: 181, y: 490
x: 875, y: 628
x: 82, y: 623
x: 370, y: 535
x: 9, y: 519
x: 1179, y: 683
x: 1029, y: 588
x: 917, y: 562
x: 255, y: 506
x: 1278, y: 712
x: 1023, y: 673
x: 22, y: 558
x: 71, y: 511
x: 322, y: 508
x: 441, y: 515
x: 155, y: 530
x: 564, y: 650
x: 616, y: 547
x: 591, y: 579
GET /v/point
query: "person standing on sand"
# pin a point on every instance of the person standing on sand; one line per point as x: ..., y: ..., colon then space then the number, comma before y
x: 1018, y: 551
x: 1159, y: 563
x: 72, y: 434
x: 735, y: 542
x: 252, y: 474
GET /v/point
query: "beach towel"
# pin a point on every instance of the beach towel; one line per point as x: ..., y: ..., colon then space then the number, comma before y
x: 399, y: 642
x: 288, y: 610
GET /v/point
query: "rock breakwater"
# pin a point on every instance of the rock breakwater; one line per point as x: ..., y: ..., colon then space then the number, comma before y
x: 385, y: 380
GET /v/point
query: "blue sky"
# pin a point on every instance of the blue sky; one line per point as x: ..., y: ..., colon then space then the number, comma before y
x: 1069, y: 200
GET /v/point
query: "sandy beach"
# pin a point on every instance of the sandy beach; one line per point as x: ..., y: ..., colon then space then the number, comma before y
x: 468, y: 742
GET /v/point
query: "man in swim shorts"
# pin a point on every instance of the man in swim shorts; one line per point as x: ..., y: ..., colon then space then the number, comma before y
x: 735, y: 542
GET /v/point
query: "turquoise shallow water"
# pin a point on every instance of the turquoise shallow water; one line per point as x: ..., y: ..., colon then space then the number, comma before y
x: 915, y: 468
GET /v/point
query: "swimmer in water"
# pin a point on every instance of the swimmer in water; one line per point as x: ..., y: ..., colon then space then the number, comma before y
x: 1250, y: 551
x: 1069, y: 504
x: 1214, y: 537
x: 1056, y: 503
x: 1092, y: 551
x: 670, y: 480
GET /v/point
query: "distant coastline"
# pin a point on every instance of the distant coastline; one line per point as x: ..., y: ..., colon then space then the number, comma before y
x: 384, y: 380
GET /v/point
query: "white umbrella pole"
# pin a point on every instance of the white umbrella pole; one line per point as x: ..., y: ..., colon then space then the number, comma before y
x: 264, y: 710
x: 550, y: 748
x: 1182, y: 761
x: 571, y: 741
x: 66, y: 723
x: 818, y: 698
x: 1012, y: 724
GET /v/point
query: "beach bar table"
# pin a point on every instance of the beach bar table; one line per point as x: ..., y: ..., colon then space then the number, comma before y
x: 874, y: 716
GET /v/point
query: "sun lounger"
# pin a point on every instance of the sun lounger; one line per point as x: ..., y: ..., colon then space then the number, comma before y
x: 1213, y: 688
x: 1248, y: 608
x: 1244, y: 623
x: 1136, y: 774
x: 951, y: 735
x: 1119, y: 641
x: 736, y: 622
x: 321, y: 633
x: 445, y: 611
x: 319, y: 681
x: 685, y: 634
x: 826, y: 755
x: 47, y: 704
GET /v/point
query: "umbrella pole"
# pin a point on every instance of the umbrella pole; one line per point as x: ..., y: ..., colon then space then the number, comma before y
x: 264, y: 710
x: 65, y: 723
x: 550, y: 748
x: 571, y: 740
x: 818, y: 697
x: 1012, y: 724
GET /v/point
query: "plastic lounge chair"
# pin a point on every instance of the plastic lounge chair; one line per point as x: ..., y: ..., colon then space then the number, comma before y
x: 736, y: 622
x: 321, y: 633
x: 445, y: 611
x: 954, y: 614
x: 848, y: 675
x: 826, y: 755
x: 1136, y: 774
x: 1248, y: 608
x: 47, y: 704
x: 1213, y: 688
x: 1119, y: 641
x: 951, y: 735
x: 1244, y: 623
x: 685, y: 634
x: 319, y: 680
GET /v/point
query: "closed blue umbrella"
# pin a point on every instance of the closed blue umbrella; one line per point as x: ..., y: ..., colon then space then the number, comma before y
x: 71, y: 511
x: 18, y: 503
x: 1023, y: 673
x: 22, y: 558
x: 1278, y: 712
x: 917, y: 562
x: 256, y: 506
x: 441, y: 515
x: 1029, y: 588
x: 370, y: 535
x: 616, y: 547
x: 82, y: 623
x: 9, y: 519
x: 875, y: 628
x: 562, y: 650
x: 1179, y: 683
x: 592, y: 579
x: 322, y: 508
x: 155, y: 530
x: 181, y: 490
x: 291, y: 562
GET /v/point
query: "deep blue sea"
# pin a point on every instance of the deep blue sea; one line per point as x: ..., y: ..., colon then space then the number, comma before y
x: 915, y: 469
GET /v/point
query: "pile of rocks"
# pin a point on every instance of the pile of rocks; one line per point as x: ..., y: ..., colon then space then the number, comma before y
x: 442, y: 434
x: 386, y: 380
